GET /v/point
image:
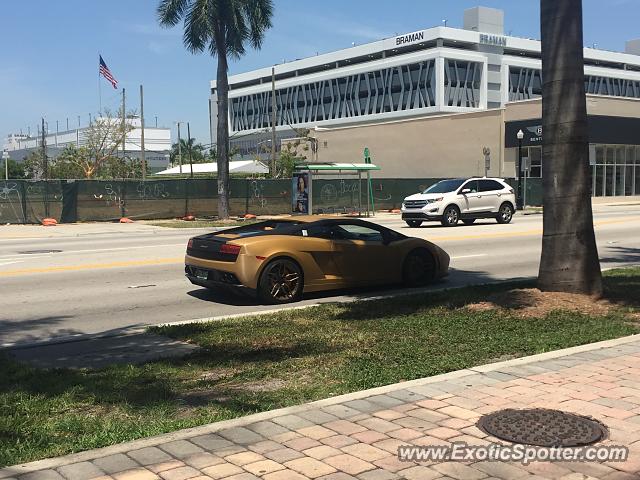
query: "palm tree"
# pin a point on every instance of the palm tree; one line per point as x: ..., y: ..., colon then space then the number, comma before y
x: 224, y: 28
x: 190, y: 151
x: 569, y: 261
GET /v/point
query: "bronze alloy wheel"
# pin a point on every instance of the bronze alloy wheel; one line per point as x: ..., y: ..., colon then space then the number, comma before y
x: 281, y: 281
x: 418, y: 268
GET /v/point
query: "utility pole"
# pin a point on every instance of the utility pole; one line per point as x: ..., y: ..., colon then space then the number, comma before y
x: 45, y: 167
x: 273, y: 121
x: 189, y: 147
x: 124, y: 126
x: 5, y: 157
x: 179, y: 149
x: 143, y: 158
x: 43, y: 146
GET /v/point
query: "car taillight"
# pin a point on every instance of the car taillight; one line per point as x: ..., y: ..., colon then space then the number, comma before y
x: 190, y: 243
x: 230, y: 248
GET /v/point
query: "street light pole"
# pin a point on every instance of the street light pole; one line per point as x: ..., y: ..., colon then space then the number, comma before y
x: 519, y: 203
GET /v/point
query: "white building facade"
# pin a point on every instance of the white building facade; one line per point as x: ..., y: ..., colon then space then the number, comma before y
x: 157, y: 143
x: 435, y: 71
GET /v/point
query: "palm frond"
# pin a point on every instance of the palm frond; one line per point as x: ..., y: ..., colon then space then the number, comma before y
x: 170, y: 12
x: 198, y: 31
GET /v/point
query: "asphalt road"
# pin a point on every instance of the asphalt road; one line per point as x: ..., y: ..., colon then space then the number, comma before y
x: 108, y: 277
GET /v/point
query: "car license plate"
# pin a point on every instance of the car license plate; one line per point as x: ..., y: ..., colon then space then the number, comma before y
x: 201, y: 274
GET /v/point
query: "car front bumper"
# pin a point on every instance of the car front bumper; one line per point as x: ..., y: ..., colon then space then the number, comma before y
x: 420, y: 215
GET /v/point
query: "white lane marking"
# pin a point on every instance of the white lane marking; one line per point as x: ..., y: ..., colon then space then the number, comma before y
x: 25, y: 257
x: 8, y: 263
x: 470, y: 256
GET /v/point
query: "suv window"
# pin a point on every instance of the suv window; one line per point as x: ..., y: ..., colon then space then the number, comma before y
x: 489, y: 185
x: 471, y: 185
x: 444, y: 186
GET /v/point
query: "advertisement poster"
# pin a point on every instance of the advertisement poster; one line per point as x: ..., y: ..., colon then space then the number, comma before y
x: 301, y: 192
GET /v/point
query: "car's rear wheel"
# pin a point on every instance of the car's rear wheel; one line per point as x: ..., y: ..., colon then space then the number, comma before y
x: 414, y: 223
x: 419, y: 268
x: 281, y: 281
x: 468, y: 221
x: 505, y: 213
x: 450, y: 216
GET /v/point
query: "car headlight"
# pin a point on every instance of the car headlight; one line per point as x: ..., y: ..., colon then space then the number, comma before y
x: 435, y: 200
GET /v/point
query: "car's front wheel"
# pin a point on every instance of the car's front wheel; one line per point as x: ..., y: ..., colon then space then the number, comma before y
x: 419, y: 268
x: 450, y: 216
x: 505, y: 213
x: 414, y: 223
x: 281, y: 281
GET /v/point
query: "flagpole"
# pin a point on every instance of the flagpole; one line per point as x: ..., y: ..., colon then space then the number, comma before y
x: 99, y: 88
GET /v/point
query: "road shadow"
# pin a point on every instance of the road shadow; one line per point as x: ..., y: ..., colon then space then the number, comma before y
x: 10, y: 329
x: 456, y: 278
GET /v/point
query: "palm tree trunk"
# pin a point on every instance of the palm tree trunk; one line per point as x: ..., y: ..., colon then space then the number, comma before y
x: 223, y: 137
x: 569, y: 261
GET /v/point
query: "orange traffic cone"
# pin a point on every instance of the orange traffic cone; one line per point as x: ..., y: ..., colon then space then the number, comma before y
x: 126, y: 220
x: 49, y: 222
x: 249, y: 216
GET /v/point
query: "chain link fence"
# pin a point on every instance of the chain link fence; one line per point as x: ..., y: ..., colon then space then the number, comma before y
x: 68, y: 201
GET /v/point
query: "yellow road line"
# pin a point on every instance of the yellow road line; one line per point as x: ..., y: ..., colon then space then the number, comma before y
x: 165, y: 261
x: 92, y: 266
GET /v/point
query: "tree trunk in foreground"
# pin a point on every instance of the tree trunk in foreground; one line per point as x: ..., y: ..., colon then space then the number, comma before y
x: 223, y: 137
x: 569, y: 261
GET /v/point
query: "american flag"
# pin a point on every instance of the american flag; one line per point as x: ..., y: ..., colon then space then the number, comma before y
x: 106, y: 73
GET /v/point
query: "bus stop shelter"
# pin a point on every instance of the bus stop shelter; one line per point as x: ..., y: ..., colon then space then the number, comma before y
x: 303, y: 183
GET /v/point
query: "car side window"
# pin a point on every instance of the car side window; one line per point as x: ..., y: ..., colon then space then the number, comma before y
x: 316, y: 231
x: 356, y: 232
x: 471, y: 185
x: 489, y: 186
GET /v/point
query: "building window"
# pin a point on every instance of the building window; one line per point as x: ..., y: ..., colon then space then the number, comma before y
x: 617, y: 171
x: 462, y: 83
x: 534, y: 154
x: 393, y: 89
x: 526, y: 83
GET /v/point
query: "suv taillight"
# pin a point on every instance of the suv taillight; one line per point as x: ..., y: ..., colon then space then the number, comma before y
x: 190, y: 244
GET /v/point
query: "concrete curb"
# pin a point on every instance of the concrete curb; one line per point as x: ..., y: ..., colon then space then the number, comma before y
x: 89, y: 455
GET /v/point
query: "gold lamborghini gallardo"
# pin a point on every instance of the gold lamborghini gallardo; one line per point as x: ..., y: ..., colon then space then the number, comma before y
x: 281, y: 259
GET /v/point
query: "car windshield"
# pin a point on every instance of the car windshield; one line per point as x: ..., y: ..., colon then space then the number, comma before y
x: 444, y: 186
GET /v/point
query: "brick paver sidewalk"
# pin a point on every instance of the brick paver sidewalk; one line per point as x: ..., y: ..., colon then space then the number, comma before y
x: 357, y: 436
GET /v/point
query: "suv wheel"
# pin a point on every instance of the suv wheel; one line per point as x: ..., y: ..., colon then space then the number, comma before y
x: 414, y: 223
x: 450, y: 216
x: 505, y: 214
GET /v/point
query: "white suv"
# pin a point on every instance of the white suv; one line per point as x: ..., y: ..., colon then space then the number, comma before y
x: 466, y: 199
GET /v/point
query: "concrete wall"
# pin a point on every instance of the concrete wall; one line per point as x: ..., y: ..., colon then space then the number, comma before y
x: 445, y: 145
x: 440, y: 146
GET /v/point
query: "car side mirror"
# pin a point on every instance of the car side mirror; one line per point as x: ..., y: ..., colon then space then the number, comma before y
x: 465, y: 190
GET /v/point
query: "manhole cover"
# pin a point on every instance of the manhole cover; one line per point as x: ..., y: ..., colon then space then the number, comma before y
x: 33, y: 252
x: 542, y: 427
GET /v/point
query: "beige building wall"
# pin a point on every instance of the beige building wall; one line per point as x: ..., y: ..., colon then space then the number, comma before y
x: 439, y: 146
x: 445, y: 145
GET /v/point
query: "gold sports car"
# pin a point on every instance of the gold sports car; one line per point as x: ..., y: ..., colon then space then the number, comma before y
x: 281, y: 259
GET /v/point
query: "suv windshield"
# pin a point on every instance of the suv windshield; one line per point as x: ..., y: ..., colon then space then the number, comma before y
x: 444, y: 186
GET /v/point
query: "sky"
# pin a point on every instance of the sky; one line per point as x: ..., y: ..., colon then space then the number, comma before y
x: 49, y: 50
